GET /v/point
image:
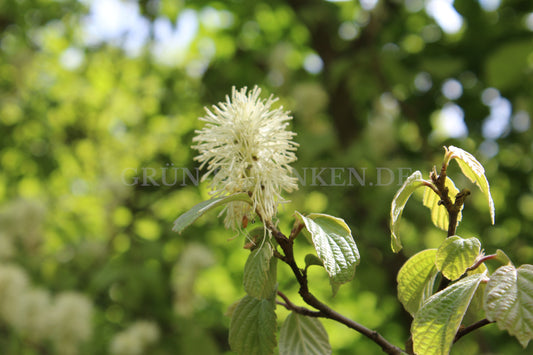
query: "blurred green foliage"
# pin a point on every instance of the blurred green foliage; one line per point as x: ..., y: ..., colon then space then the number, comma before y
x: 86, y: 105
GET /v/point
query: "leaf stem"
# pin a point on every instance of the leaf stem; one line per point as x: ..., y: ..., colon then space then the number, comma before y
x: 481, y: 261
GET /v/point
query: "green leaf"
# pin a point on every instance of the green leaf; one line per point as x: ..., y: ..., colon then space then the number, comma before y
x: 475, y: 310
x: 436, y: 323
x: 260, y: 273
x: 334, y: 245
x: 474, y: 171
x: 197, y: 211
x: 252, y: 329
x: 398, y: 203
x: 455, y: 255
x: 254, y: 238
x: 303, y: 335
x: 312, y: 259
x: 231, y: 308
x: 509, y: 301
x: 503, y: 258
x: 439, y: 214
x: 416, y: 279
x: 334, y: 287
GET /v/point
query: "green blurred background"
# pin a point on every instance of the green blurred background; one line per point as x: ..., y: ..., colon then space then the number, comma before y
x: 92, y: 92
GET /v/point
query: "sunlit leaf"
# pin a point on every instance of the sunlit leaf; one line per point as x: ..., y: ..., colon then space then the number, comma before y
x: 509, y: 301
x: 503, y: 258
x: 252, y: 329
x: 260, y: 273
x: 334, y: 244
x: 197, y: 211
x: 312, y: 259
x: 416, y: 279
x: 456, y: 254
x: 437, y: 322
x: 398, y: 203
x: 439, y: 214
x: 303, y: 336
x: 474, y: 171
x: 475, y: 310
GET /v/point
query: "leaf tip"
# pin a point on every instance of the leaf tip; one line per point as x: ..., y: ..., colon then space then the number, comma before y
x: 395, y: 243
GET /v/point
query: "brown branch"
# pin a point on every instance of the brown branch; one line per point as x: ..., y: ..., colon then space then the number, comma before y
x: 464, y: 331
x: 324, y: 311
x: 453, y: 208
x: 301, y: 310
x: 456, y: 209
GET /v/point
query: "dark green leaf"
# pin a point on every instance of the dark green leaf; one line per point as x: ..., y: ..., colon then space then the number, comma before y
x: 253, y: 327
x: 301, y: 335
x: 260, y: 273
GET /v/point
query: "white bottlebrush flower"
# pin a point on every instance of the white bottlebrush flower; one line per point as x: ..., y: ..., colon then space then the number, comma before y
x: 247, y: 148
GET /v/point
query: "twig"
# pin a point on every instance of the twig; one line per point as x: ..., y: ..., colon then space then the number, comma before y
x: 471, y: 328
x: 296, y: 229
x: 453, y: 208
x: 456, y: 209
x: 301, y: 310
x: 324, y: 311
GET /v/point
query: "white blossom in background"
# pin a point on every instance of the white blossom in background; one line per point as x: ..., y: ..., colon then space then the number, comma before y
x: 247, y: 148
x: 136, y: 339
x: 22, y: 219
x: 29, y: 314
x: 194, y: 258
x: 7, y: 249
x: 13, y: 282
x: 35, y: 314
x: 70, y: 322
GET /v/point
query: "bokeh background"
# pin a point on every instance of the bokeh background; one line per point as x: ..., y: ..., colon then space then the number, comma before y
x: 93, y: 92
